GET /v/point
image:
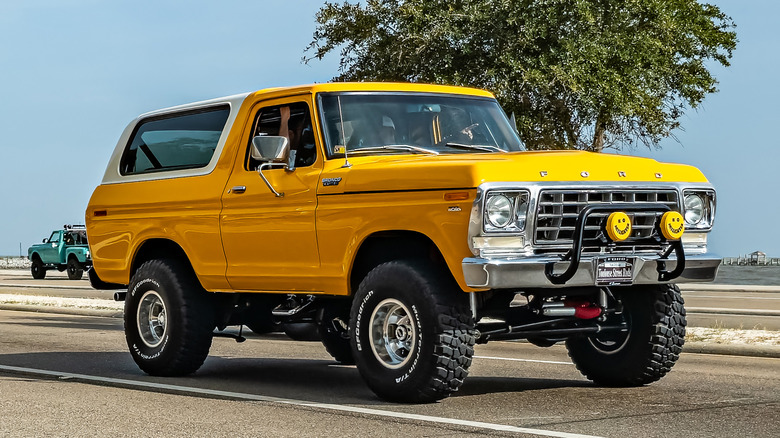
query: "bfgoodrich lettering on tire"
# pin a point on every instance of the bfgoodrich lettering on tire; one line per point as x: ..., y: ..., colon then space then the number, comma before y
x: 655, y: 317
x: 168, y: 320
x: 412, y: 334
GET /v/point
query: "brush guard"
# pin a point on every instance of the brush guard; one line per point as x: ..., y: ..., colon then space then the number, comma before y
x: 574, y: 254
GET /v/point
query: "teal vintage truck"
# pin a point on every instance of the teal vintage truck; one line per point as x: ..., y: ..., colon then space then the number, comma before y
x: 66, y: 249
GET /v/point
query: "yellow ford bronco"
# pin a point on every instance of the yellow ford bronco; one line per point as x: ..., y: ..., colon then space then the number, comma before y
x: 400, y: 224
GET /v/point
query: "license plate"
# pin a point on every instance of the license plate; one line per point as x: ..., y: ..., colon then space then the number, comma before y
x: 612, y: 271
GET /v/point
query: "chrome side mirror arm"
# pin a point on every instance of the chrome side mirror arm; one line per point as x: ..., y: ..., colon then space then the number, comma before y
x: 265, y: 166
x: 274, y: 152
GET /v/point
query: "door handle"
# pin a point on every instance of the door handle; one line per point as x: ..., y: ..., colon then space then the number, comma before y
x: 237, y: 189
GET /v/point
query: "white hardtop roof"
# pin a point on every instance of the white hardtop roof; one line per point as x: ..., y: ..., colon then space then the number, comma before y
x: 234, y: 99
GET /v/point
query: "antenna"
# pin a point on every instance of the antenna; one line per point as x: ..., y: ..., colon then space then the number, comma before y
x: 343, y: 138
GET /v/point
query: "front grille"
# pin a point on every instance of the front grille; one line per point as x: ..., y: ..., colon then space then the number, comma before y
x: 557, y: 212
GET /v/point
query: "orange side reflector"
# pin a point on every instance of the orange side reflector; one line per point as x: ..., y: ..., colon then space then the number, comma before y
x: 456, y: 196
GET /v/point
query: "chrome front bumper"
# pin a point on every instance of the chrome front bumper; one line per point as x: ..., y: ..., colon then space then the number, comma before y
x: 529, y: 272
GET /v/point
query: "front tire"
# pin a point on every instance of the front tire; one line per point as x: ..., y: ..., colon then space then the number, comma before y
x: 37, y: 269
x: 75, y: 271
x: 169, y: 322
x: 655, y: 317
x: 412, y: 334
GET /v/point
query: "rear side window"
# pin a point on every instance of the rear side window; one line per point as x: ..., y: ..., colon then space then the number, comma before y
x: 184, y: 140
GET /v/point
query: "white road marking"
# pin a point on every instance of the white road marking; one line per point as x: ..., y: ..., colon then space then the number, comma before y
x: 324, y: 406
x: 524, y: 360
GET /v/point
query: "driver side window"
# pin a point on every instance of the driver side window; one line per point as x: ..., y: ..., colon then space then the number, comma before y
x: 291, y: 120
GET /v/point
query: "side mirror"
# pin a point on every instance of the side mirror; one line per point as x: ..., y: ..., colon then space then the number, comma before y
x: 270, y: 148
x: 272, y: 151
x: 45, y: 240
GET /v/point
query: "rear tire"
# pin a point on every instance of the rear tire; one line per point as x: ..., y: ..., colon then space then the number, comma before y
x: 333, y: 328
x: 655, y: 316
x: 412, y: 334
x: 169, y: 319
x: 99, y: 284
x: 37, y: 269
x: 75, y: 271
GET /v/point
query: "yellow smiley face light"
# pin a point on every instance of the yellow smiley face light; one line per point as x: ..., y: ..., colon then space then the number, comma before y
x: 672, y: 225
x: 618, y: 226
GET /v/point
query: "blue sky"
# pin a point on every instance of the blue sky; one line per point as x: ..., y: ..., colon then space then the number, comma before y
x: 74, y: 73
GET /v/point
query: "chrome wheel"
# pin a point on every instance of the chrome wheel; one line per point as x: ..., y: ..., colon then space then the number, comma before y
x: 152, y: 319
x: 393, y: 333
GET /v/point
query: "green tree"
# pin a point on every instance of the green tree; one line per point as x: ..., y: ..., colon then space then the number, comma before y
x: 578, y: 74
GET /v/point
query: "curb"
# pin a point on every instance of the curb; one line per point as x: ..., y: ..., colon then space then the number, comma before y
x: 106, y: 313
x: 38, y: 286
x: 724, y: 311
x: 732, y: 349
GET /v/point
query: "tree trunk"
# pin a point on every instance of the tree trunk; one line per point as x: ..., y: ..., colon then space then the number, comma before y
x: 599, y: 135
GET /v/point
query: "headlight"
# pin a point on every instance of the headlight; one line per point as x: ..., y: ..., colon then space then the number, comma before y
x: 506, y: 211
x: 694, y: 208
x: 499, y: 211
x: 699, y: 209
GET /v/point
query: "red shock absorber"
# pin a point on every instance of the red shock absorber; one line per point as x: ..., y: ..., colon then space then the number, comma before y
x: 584, y: 309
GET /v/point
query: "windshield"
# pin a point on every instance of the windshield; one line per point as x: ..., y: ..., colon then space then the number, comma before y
x: 387, y: 123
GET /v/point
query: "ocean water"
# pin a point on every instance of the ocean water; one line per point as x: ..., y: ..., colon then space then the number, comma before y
x: 755, y: 275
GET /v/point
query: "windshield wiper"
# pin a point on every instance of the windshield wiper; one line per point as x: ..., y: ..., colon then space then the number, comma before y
x: 394, y: 148
x: 477, y: 147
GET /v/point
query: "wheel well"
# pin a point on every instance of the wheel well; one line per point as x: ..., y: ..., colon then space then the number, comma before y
x: 393, y: 245
x: 156, y: 249
x: 35, y: 256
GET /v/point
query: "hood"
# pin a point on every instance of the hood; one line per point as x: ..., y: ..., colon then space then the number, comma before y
x: 460, y: 171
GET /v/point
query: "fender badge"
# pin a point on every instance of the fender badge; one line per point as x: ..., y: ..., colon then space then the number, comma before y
x: 584, y: 174
x: 622, y: 174
x: 543, y: 173
x: 659, y: 175
x: 331, y: 181
x: 456, y: 208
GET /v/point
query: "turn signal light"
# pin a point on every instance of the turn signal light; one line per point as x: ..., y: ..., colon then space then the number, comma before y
x: 456, y: 196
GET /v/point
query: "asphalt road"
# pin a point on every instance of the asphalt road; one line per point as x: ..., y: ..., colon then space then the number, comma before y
x: 72, y: 375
